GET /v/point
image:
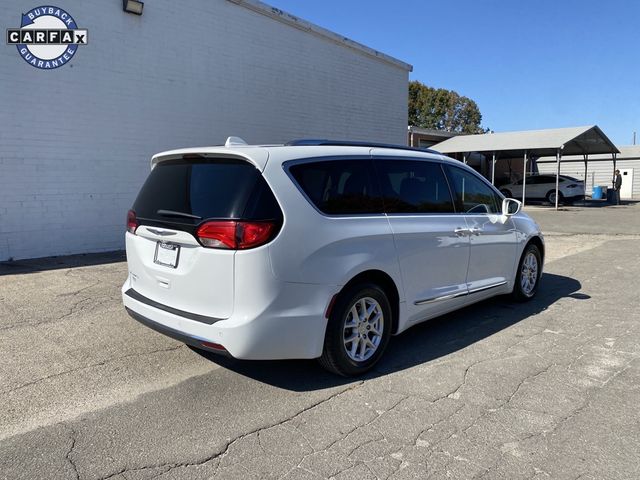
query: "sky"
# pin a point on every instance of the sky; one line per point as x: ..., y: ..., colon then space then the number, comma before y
x: 527, y: 64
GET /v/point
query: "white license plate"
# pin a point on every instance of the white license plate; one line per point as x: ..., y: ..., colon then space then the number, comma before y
x: 167, y: 254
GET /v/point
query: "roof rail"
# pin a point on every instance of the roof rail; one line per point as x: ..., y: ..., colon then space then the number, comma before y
x: 306, y: 142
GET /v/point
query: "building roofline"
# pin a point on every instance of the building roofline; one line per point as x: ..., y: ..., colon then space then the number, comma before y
x: 306, y: 26
x: 432, y: 131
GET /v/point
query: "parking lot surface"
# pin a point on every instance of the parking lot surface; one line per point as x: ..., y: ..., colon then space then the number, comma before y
x: 546, y: 389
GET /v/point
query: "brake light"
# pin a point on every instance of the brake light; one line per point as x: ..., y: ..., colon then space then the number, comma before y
x: 234, y: 235
x: 253, y: 234
x: 217, y: 234
x: 132, y: 222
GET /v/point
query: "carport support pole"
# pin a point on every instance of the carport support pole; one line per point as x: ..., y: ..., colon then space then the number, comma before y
x: 493, y: 169
x: 584, y: 193
x: 558, y: 158
x: 524, y: 177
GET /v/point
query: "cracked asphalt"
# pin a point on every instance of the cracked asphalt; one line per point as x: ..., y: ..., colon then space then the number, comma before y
x: 546, y: 389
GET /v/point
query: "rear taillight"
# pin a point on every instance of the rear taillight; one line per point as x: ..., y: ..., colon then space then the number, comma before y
x: 253, y: 234
x: 234, y: 235
x: 132, y: 222
x: 217, y: 234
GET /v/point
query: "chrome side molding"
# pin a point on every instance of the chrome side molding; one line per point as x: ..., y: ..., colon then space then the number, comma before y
x: 487, y: 287
x: 459, y: 294
x: 443, y: 297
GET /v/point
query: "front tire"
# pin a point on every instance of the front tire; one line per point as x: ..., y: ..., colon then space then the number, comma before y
x: 551, y: 197
x: 358, y: 330
x: 529, y: 272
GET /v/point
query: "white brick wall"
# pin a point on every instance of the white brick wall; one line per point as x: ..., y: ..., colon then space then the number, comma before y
x: 75, y: 142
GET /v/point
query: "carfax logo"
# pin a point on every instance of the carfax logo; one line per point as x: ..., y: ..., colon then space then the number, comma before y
x: 48, y: 37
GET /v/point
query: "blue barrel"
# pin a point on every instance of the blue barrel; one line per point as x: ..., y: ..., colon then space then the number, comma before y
x: 597, y: 193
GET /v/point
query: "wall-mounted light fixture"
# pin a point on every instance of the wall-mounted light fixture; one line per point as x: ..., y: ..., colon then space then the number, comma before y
x: 132, y: 6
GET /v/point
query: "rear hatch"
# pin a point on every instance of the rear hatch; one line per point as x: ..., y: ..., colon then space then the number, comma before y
x: 190, y: 217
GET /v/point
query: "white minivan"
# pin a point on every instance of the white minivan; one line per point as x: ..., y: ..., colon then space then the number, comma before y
x: 318, y: 249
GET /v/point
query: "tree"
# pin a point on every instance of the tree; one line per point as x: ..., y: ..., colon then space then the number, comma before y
x: 441, y: 109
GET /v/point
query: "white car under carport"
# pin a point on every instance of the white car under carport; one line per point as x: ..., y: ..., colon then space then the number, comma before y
x: 544, y: 187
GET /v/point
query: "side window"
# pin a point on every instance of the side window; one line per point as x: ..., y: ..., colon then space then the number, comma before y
x: 410, y: 186
x: 472, y: 195
x: 339, y: 187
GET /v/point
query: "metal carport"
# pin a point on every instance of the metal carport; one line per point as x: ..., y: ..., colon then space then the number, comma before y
x: 556, y: 142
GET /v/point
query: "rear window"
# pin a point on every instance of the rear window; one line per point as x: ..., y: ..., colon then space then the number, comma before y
x: 339, y: 187
x: 190, y: 191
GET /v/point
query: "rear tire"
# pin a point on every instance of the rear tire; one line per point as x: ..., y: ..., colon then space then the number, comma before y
x: 529, y: 272
x: 358, y: 330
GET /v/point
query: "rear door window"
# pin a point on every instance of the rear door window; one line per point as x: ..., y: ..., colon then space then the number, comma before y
x: 339, y: 187
x: 540, y: 179
x: 410, y: 186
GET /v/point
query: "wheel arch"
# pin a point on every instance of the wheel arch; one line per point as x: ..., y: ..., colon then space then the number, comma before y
x: 537, y: 241
x: 384, y: 281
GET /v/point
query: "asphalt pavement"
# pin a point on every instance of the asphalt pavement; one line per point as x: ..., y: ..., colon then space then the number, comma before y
x: 546, y: 389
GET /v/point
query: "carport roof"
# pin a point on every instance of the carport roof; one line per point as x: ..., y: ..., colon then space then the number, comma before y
x: 570, y: 141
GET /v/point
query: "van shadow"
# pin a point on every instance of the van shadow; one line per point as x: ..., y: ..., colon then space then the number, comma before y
x: 35, y: 265
x: 420, y: 344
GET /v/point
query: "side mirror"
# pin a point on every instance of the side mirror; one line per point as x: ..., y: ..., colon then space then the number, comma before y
x: 511, y: 206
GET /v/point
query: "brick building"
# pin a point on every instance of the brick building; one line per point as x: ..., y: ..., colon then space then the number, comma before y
x: 75, y: 142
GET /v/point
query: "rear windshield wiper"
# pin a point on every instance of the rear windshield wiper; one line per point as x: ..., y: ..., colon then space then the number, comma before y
x: 171, y: 213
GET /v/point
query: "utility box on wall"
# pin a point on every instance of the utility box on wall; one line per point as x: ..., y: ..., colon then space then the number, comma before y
x: 76, y: 140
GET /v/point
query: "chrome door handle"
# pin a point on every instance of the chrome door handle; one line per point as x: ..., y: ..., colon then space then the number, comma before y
x: 475, y: 230
x: 461, y: 231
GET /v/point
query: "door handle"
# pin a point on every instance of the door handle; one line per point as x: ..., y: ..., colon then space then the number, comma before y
x: 475, y: 230
x: 462, y: 231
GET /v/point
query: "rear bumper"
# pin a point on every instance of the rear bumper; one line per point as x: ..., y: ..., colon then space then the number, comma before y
x: 291, y: 326
x: 180, y: 313
x: 170, y: 332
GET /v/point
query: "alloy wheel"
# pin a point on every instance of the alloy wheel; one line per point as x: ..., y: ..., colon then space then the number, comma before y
x: 529, y: 274
x: 363, y: 328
